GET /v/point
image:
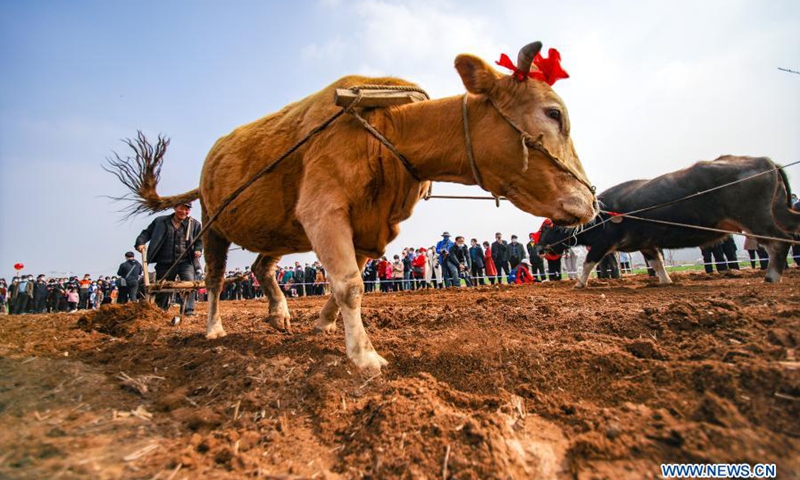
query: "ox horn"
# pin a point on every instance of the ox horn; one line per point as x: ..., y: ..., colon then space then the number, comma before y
x: 526, y: 54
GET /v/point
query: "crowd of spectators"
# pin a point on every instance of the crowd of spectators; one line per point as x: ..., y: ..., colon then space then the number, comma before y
x: 42, y: 295
x: 449, y: 263
x: 452, y: 263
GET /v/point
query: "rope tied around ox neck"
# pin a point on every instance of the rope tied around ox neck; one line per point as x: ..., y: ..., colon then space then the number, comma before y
x: 537, y: 144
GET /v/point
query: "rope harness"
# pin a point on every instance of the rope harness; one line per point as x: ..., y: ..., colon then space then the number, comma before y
x: 350, y: 109
x: 527, y: 142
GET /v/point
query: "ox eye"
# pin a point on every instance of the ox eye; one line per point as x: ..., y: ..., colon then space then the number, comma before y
x: 555, y: 114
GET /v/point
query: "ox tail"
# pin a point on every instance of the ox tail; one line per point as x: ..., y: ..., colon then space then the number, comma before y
x: 785, y: 216
x: 141, y: 172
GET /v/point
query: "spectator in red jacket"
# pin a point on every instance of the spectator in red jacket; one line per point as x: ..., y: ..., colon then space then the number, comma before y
x: 491, y: 269
x: 385, y: 274
x: 418, y: 268
x: 524, y: 275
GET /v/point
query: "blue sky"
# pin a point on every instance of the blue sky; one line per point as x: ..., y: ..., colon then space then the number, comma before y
x: 655, y: 86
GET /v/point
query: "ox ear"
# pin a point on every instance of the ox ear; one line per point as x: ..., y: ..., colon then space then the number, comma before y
x: 478, y: 77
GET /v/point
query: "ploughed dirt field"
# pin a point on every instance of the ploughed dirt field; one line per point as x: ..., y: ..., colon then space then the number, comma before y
x: 540, y: 381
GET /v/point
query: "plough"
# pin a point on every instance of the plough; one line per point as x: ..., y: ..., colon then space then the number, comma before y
x: 183, y: 287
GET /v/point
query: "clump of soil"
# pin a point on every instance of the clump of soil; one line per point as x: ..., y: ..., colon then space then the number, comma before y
x: 122, y: 320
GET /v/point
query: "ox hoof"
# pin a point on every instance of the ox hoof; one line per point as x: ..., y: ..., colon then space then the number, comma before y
x: 325, y: 327
x: 579, y: 285
x: 280, y: 323
x: 216, y: 333
x: 772, y: 279
x: 369, y: 361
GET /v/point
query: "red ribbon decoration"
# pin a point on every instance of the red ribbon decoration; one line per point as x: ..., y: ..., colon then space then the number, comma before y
x: 18, y: 266
x: 548, y: 69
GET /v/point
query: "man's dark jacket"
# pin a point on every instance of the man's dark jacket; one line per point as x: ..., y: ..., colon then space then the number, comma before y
x: 130, y: 270
x: 311, y: 274
x: 460, y: 256
x: 500, y: 252
x: 533, y: 253
x: 156, y: 234
x: 516, y: 252
x: 40, y: 290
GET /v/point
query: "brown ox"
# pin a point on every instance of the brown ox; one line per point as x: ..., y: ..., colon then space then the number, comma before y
x: 343, y: 194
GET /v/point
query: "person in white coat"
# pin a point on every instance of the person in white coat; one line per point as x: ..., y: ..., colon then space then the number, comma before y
x: 436, y: 269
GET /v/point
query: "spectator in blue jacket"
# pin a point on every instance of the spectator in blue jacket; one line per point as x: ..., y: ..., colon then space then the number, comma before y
x: 443, y: 249
x: 476, y: 256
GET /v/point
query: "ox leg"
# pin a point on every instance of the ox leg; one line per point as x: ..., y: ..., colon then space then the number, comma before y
x: 327, y: 317
x: 583, y: 279
x: 264, y: 269
x: 332, y: 239
x: 592, y: 259
x: 777, y: 259
x: 657, y: 262
x: 216, y: 255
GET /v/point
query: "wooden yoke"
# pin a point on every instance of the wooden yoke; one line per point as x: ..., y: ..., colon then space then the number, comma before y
x: 376, y: 98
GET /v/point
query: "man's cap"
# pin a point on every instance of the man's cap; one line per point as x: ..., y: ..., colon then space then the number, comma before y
x: 129, y: 255
x: 513, y: 236
x: 188, y: 204
x: 446, y: 234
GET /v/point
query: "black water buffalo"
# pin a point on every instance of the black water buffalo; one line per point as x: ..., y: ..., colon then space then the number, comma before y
x: 761, y: 206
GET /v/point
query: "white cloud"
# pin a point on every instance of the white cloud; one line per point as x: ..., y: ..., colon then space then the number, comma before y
x: 333, y: 50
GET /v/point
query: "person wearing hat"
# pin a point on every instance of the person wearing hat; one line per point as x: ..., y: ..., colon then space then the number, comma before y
x: 170, y: 237
x: 128, y: 272
x: 443, y: 249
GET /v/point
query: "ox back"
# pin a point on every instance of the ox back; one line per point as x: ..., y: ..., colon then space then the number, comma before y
x: 760, y: 205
